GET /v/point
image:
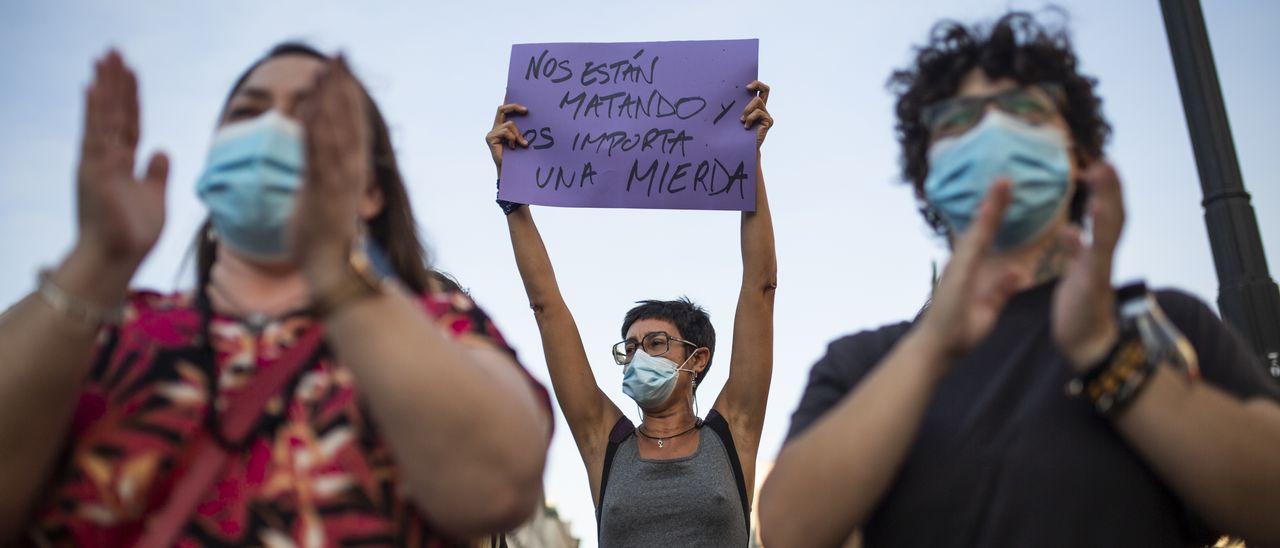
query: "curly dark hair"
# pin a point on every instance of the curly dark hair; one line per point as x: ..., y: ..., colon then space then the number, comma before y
x: 1016, y: 46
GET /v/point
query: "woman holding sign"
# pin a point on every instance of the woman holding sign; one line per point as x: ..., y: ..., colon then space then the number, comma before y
x: 675, y: 479
x: 312, y: 390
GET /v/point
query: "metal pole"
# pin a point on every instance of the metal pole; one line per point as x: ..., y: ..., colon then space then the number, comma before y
x: 1247, y: 296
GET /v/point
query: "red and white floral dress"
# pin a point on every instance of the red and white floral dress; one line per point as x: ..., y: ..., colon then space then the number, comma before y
x: 314, y: 472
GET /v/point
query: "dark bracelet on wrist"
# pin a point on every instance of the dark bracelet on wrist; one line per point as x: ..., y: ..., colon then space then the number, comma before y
x: 1118, y: 378
x: 507, y: 207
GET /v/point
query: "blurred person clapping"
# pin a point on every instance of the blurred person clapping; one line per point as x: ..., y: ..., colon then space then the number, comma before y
x: 341, y: 392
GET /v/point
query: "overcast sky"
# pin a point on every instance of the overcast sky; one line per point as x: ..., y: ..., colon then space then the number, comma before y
x: 852, y: 252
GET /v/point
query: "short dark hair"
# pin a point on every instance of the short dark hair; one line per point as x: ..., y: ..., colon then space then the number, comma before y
x: 692, y: 320
x: 1015, y: 46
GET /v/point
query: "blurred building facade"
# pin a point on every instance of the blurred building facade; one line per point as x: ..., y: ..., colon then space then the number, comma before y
x: 546, y: 529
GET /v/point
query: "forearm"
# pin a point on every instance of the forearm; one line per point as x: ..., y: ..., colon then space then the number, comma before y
x: 43, y: 360
x: 463, y: 423
x: 532, y: 260
x: 584, y: 406
x: 1221, y: 455
x: 44, y: 357
x: 751, y: 366
x: 759, y: 258
x: 827, y: 481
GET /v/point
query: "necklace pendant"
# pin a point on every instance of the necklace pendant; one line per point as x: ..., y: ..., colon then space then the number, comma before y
x: 660, y: 443
x: 257, y: 321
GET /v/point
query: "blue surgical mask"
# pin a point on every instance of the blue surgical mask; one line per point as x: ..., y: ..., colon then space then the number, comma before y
x: 1034, y: 158
x: 253, y: 171
x: 650, y: 380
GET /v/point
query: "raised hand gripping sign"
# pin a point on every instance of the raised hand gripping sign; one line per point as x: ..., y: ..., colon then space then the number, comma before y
x: 635, y: 125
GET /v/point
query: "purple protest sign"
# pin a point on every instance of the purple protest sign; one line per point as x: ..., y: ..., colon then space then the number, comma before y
x: 637, y: 125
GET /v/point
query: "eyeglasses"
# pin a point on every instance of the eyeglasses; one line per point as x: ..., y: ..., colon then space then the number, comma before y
x: 654, y: 344
x: 1035, y: 104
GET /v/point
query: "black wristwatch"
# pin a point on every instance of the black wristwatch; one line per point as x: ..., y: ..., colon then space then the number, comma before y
x: 1163, y: 341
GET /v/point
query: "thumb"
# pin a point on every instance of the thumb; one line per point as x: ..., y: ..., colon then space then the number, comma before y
x: 977, y: 240
x: 157, y: 173
x: 1070, y: 241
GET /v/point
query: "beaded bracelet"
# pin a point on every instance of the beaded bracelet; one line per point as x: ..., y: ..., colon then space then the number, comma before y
x: 1117, y: 379
x: 72, y: 307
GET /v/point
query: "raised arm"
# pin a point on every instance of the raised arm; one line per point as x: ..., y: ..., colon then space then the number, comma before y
x: 588, y: 411
x: 465, y: 424
x: 827, y: 481
x: 742, y: 401
x: 45, y: 353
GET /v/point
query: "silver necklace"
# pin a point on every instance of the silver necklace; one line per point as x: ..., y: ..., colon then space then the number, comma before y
x: 663, y: 441
x: 256, y: 320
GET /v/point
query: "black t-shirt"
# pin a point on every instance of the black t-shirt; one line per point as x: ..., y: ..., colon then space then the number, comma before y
x: 1004, y: 457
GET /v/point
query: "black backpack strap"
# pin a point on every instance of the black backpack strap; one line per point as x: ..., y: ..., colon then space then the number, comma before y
x: 721, y: 428
x: 622, y: 430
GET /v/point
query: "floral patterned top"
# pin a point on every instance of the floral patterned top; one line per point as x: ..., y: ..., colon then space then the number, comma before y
x: 314, y: 471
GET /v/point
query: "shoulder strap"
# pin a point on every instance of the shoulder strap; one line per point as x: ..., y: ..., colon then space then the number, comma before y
x: 721, y: 428
x: 206, y: 456
x: 622, y: 430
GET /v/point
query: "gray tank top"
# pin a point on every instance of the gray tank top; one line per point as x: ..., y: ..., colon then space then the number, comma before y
x: 689, y: 501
